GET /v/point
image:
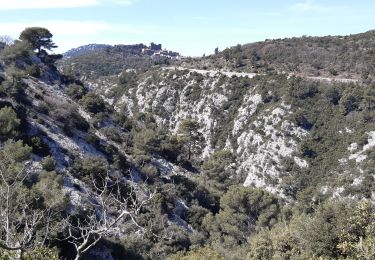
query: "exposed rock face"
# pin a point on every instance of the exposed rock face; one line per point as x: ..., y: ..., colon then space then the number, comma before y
x: 232, y: 112
x: 228, y: 111
x: 261, y: 155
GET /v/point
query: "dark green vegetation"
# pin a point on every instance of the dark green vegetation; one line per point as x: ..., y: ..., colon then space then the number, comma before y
x: 84, y: 49
x: 110, y: 60
x: 80, y: 176
x: 343, y: 56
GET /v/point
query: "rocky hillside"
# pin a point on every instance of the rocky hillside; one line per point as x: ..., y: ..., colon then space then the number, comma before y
x: 93, y: 60
x: 278, y: 127
x: 330, y: 56
x: 202, y: 158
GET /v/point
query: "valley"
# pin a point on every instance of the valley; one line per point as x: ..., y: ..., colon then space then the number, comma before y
x: 256, y: 152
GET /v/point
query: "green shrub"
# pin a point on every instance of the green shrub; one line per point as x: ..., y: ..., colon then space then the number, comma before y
x: 243, y: 211
x: 112, y: 134
x: 49, y: 163
x: 43, y: 253
x: 9, y: 123
x: 195, y: 216
x: 33, y: 71
x: 150, y: 172
x: 98, y: 119
x: 12, y: 89
x: 333, y: 95
x: 124, y: 121
x: 39, y: 147
x: 300, y: 120
x: 217, y: 172
x: 90, y: 168
x: 12, y: 158
x: 70, y: 117
x: 75, y: 91
x: 147, y: 141
x: 20, y: 51
x: 43, y: 108
x: 205, y: 253
x: 93, y: 139
x: 93, y: 103
x: 302, y: 89
x: 126, y: 81
x: 349, y: 103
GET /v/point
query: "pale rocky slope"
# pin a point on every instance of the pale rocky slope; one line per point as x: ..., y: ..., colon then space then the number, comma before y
x: 231, y: 112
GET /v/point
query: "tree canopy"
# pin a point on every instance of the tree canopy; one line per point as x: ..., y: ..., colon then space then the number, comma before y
x: 40, y: 38
x: 188, y: 134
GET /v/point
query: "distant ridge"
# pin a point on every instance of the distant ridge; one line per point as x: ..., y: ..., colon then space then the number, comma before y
x: 96, y: 60
x: 81, y: 50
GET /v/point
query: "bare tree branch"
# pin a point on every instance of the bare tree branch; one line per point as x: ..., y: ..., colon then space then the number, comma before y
x: 6, y: 39
x: 108, y: 208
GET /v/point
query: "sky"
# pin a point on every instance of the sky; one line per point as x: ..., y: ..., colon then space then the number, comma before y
x: 191, y: 27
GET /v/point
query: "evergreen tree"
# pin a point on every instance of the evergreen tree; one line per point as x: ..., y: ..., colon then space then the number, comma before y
x: 39, y: 38
x: 189, y: 135
x: 218, y: 172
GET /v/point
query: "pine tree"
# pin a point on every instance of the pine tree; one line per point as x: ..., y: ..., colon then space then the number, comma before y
x: 39, y: 38
x: 188, y: 134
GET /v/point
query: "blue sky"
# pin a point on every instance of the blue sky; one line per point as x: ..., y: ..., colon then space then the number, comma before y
x: 192, y: 27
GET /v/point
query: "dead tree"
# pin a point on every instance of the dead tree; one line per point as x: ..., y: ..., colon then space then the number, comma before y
x: 109, y: 209
x: 6, y: 39
x: 19, y: 221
